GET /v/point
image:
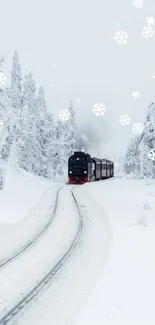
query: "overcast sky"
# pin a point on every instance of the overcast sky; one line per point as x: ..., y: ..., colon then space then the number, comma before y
x: 77, y: 35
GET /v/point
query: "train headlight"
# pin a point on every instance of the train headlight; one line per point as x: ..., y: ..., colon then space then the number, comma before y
x: 70, y: 172
x: 85, y: 172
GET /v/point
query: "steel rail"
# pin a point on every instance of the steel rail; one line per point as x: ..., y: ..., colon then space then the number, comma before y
x: 33, y: 293
x: 31, y: 242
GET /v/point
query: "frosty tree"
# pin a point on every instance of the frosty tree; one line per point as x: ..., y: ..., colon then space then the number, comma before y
x: 31, y: 140
x: 148, y: 142
x: 69, y: 132
x: 16, y: 95
x: 136, y: 160
x: 132, y: 157
x: 16, y: 83
x: 6, y: 117
x: 28, y: 129
x: 5, y: 122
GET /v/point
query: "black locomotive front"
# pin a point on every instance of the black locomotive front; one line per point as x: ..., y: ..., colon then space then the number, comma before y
x: 79, y: 168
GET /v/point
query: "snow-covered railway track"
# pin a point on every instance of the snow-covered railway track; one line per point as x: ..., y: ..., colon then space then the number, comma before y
x: 34, y: 292
x: 31, y: 242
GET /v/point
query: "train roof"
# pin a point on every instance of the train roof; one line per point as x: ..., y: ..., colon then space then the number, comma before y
x: 94, y: 159
x: 102, y: 160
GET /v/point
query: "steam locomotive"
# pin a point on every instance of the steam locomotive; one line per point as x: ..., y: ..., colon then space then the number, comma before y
x: 83, y: 168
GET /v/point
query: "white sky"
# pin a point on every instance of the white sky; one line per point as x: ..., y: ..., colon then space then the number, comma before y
x: 77, y: 35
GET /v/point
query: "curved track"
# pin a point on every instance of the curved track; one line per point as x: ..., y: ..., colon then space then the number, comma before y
x: 29, y: 297
x: 37, y: 237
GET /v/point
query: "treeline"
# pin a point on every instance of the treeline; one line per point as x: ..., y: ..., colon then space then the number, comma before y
x: 30, y: 138
x: 139, y: 159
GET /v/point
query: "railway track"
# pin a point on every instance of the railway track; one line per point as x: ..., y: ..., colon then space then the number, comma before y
x: 30, y: 243
x: 5, y: 319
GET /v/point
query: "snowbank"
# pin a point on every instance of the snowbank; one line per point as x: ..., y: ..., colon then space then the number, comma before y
x: 26, y: 207
x: 125, y: 293
x: 19, y: 277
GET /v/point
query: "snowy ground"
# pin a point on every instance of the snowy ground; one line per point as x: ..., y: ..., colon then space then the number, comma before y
x: 68, y: 290
x: 109, y: 279
x: 23, y: 274
x: 125, y: 293
x: 26, y: 206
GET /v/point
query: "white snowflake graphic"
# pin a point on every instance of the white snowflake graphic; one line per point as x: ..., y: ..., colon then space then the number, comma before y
x: 64, y: 115
x: 150, y: 20
x: 53, y: 65
x: 1, y: 125
x: 124, y: 119
x: 136, y: 94
x: 138, y: 128
x: 148, y: 32
x: 78, y: 100
x: 151, y: 154
x: 121, y: 37
x: 99, y: 109
x: 2, y: 79
x: 138, y: 3
x: 51, y: 85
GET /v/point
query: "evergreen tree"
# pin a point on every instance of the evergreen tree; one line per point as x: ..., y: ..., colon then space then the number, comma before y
x: 136, y: 160
x: 69, y: 134
x: 6, y: 117
x: 45, y: 135
x: 16, y: 95
x: 29, y: 93
x: 132, y: 157
x: 148, y: 142
x: 28, y: 128
x: 72, y: 130
x: 40, y: 101
x: 16, y: 84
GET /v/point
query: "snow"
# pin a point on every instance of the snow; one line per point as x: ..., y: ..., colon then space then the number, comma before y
x: 23, y: 274
x: 109, y: 278
x: 26, y: 206
x: 68, y: 290
x: 125, y: 293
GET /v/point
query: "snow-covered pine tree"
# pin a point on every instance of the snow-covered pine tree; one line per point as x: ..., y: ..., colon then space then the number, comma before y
x: 65, y: 140
x: 5, y: 125
x: 40, y: 108
x: 16, y: 95
x: 59, y: 149
x: 131, y: 161
x: 45, y: 140
x: 46, y: 163
x: 72, y: 129
x: 49, y: 146
x: 29, y: 93
x: 136, y: 159
x: 148, y: 142
x: 29, y: 149
x: 6, y: 117
x: 40, y: 101
x: 16, y: 83
x: 69, y: 133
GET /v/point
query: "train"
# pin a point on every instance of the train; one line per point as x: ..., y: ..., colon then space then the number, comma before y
x: 83, y: 168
